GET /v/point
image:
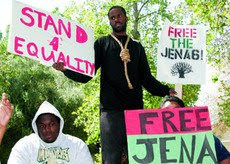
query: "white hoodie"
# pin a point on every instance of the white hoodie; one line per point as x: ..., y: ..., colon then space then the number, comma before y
x: 65, y: 149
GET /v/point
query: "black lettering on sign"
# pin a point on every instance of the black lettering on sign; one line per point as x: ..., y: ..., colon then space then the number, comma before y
x: 143, y: 120
x: 184, y: 148
x: 149, y: 150
x: 206, y: 147
x: 164, y: 150
x: 199, y: 119
x: 183, y: 121
x: 166, y: 120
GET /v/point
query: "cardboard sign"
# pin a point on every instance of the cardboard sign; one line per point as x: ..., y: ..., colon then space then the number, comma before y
x: 44, y: 37
x: 181, y: 54
x: 180, y: 135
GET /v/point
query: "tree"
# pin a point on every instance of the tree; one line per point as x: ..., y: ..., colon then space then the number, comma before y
x: 216, y: 15
x: 181, y: 68
x: 28, y: 84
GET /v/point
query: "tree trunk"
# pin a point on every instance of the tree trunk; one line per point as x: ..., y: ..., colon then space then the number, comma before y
x: 135, y: 32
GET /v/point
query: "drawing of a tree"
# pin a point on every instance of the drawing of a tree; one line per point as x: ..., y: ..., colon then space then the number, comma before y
x: 181, y: 68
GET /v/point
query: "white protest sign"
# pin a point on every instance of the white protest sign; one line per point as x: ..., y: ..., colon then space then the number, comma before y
x: 47, y: 38
x: 181, y: 54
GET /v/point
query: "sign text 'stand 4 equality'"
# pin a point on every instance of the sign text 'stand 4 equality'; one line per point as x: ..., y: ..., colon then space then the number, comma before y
x: 42, y: 36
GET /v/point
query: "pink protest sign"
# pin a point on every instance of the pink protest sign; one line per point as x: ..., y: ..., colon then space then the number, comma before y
x: 180, y: 135
x: 47, y: 38
x: 167, y: 121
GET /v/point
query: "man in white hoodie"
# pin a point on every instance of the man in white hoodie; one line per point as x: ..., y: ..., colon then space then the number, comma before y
x: 48, y: 145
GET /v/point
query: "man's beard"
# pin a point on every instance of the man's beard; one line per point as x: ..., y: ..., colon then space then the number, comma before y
x: 120, y: 29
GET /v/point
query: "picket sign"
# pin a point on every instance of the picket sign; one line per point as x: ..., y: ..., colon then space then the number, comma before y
x: 181, y: 56
x: 47, y: 38
x: 181, y: 135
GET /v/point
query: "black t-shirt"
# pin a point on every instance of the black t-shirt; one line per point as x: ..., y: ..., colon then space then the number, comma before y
x: 114, y: 91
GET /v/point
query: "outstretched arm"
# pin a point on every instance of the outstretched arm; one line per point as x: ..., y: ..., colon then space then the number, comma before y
x: 151, y: 84
x: 71, y: 74
x: 78, y: 77
x: 6, y: 110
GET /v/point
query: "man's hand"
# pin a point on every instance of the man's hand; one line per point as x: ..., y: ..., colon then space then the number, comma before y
x: 172, y: 92
x: 59, y: 66
x: 6, y: 110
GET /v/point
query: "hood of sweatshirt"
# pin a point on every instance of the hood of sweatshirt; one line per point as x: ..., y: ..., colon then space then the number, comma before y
x: 46, y: 107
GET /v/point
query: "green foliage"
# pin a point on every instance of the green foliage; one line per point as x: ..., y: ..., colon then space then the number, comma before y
x: 88, y: 114
x: 224, y: 103
x: 189, y: 97
x: 215, y: 12
x: 190, y: 93
x: 28, y: 84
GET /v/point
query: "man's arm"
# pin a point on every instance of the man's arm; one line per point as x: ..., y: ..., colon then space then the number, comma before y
x: 71, y: 74
x: 2, y: 132
x: 6, y: 110
x: 149, y: 82
x: 78, y: 77
x: 223, y: 155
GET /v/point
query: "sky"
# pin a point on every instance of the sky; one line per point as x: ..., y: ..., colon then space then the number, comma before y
x: 47, y: 5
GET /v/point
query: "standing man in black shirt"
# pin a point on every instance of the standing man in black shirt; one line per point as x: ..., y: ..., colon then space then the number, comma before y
x: 124, y: 70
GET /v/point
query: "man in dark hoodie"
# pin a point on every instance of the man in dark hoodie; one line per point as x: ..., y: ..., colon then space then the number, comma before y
x: 48, y: 144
